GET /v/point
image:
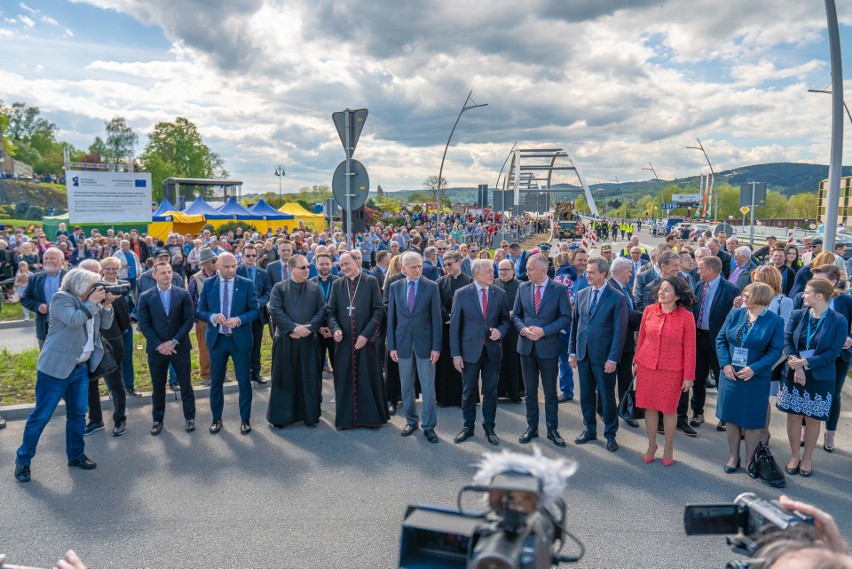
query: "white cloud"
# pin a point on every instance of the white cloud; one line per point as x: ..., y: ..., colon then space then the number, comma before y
x: 49, y: 20
x: 28, y: 9
x: 68, y: 33
x: 27, y: 21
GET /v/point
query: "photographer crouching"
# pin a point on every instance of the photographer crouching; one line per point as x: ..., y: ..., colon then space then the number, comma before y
x: 72, y: 349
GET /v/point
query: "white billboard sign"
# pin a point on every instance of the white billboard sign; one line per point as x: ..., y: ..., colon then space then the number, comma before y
x: 686, y: 198
x: 108, y: 197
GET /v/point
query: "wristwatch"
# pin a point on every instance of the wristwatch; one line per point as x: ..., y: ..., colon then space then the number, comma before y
x: 175, y: 342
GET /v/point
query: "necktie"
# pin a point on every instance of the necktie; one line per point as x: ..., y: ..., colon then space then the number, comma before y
x: 285, y: 270
x: 537, y: 298
x: 629, y: 296
x: 411, y: 297
x: 484, y: 304
x: 703, y: 302
x: 226, y: 303
x: 594, y: 303
x: 165, y: 296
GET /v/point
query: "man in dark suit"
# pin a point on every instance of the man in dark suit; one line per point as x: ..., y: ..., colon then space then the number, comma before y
x: 414, y: 339
x: 430, y: 259
x: 715, y: 300
x: 598, y: 332
x: 668, y: 265
x: 478, y: 321
x: 229, y: 303
x: 40, y: 290
x: 262, y: 287
x: 540, y: 312
x: 621, y: 270
x: 280, y: 270
x: 647, y: 273
x: 724, y: 256
x: 380, y: 271
x: 166, y: 315
x: 636, y: 263
x: 519, y: 256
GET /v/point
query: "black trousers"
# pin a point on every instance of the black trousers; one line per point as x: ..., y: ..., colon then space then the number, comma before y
x: 490, y: 370
x: 533, y: 366
x: 159, y: 366
x: 624, y: 373
x: 705, y: 361
x: 257, y: 337
x: 115, y: 384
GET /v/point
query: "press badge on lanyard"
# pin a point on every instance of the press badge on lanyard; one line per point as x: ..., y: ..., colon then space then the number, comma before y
x: 740, y: 357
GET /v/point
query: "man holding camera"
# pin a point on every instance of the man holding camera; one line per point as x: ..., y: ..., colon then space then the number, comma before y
x: 166, y: 315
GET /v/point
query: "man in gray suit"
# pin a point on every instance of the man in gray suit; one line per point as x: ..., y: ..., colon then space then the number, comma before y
x: 540, y: 313
x: 478, y: 321
x: 414, y: 338
x: 78, y: 312
x: 597, y: 339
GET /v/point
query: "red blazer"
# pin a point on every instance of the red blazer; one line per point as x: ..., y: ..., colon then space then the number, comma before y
x: 667, y: 341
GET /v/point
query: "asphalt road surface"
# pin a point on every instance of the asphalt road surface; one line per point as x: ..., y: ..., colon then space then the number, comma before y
x: 310, y: 498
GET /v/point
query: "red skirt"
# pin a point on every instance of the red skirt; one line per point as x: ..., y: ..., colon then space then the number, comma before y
x: 658, y: 389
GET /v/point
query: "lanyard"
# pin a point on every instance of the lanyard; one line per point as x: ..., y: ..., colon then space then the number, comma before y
x: 748, y: 331
x: 810, y: 336
x: 325, y: 289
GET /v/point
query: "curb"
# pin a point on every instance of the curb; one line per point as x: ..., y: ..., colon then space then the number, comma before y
x: 22, y: 411
x: 17, y: 324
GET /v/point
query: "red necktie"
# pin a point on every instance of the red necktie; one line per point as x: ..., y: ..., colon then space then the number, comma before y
x: 484, y: 305
x: 537, y: 298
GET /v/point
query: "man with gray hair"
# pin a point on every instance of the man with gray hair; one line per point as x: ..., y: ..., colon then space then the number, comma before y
x: 414, y: 339
x: 430, y: 262
x: 741, y: 275
x: 620, y: 271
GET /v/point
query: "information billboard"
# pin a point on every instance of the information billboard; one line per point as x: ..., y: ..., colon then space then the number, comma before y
x: 107, y: 197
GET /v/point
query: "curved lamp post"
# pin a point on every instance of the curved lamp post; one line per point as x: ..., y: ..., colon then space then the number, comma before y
x: 465, y: 107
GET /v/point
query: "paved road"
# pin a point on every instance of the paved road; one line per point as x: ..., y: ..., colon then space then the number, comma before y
x: 323, y: 498
x: 18, y: 338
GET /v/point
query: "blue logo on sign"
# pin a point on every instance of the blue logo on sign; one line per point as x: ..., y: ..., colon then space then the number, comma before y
x: 140, y: 183
x: 76, y: 181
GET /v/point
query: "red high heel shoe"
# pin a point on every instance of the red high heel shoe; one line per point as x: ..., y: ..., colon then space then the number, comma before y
x: 667, y: 462
x: 649, y: 459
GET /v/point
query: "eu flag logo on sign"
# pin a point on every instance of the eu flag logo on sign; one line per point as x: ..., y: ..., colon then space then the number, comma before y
x: 76, y: 181
x: 140, y: 183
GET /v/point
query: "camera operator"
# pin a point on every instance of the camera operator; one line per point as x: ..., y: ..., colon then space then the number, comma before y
x: 827, y: 551
x: 78, y: 312
x: 109, y: 268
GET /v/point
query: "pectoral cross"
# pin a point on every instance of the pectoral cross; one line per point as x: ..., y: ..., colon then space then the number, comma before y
x: 351, y: 309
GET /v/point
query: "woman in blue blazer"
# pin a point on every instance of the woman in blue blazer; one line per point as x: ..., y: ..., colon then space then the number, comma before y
x: 749, y: 343
x: 813, y: 341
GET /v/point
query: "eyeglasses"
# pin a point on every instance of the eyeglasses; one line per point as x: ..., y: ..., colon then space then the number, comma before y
x: 301, y: 267
x: 508, y: 269
x: 249, y: 256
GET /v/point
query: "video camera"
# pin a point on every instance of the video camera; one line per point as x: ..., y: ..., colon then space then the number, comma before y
x: 753, y: 521
x: 120, y: 288
x: 518, y: 531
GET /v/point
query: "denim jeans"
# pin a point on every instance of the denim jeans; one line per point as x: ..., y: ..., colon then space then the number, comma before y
x: 566, y: 374
x: 49, y: 390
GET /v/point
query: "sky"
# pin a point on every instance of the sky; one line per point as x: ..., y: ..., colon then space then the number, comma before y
x: 618, y: 84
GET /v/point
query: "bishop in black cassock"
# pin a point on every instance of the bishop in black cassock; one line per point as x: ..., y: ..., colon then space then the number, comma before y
x: 355, y: 313
x: 296, y: 362
x: 511, y: 383
x: 448, y: 381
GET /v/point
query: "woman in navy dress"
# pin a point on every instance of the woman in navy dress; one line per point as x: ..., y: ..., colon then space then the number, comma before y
x: 749, y: 343
x: 812, y: 341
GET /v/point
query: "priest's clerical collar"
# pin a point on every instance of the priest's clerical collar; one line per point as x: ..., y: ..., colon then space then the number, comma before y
x: 355, y: 277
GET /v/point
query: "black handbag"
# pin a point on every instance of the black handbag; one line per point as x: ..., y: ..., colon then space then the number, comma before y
x: 627, y: 406
x: 107, y: 365
x: 767, y: 469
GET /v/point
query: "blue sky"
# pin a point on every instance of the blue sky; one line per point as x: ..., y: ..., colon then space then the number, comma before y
x: 617, y: 83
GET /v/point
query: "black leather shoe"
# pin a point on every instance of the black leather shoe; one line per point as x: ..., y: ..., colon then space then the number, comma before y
x: 22, y: 472
x: 391, y: 409
x: 245, y: 428
x: 684, y: 428
x: 119, y: 429
x: 528, y: 435
x: 611, y: 445
x: 697, y: 420
x: 215, y: 426
x: 408, y: 429
x: 491, y: 436
x: 174, y: 386
x: 554, y: 436
x: 633, y: 423
x: 190, y: 425
x: 157, y: 428
x: 721, y: 426
x: 564, y: 398
x: 792, y: 471
x: 463, y: 435
x: 83, y: 463
x: 585, y: 437
x: 430, y: 436
x: 258, y: 379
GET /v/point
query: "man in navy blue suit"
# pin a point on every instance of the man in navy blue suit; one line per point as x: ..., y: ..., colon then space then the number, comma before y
x: 598, y: 333
x: 229, y: 303
x: 520, y: 257
x: 262, y: 287
x: 414, y: 339
x: 478, y: 322
x: 41, y: 288
x: 166, y: 314
x: 540, y: 313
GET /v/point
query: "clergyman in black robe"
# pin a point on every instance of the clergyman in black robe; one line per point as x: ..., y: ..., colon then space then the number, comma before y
x: 354, y: 316
x: 298, y: 309
x: 448, y: 381
x: 511, y: 383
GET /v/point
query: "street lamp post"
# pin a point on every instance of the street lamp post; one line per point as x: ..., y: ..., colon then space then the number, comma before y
x: 280, y: 172
x: 465, y: 107
x: 662, y: 197
x: 715, y: 194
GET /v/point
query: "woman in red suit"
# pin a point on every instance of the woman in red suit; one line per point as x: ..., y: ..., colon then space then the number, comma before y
x: 665, y: 361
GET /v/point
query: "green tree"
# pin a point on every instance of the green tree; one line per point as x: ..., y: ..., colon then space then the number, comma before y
x: 98, y: 150
x: 121, y: 141
x: 802, y: 205
x: 430, y: 184
x: 175, y: 149
x: 31, y: 138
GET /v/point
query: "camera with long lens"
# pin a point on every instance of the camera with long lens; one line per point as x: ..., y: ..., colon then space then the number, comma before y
x: 752, y: 522
x: 120, y: 288
x: 517, y: 531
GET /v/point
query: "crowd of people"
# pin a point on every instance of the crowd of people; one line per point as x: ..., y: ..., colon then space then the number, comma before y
x: 411, y: 312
